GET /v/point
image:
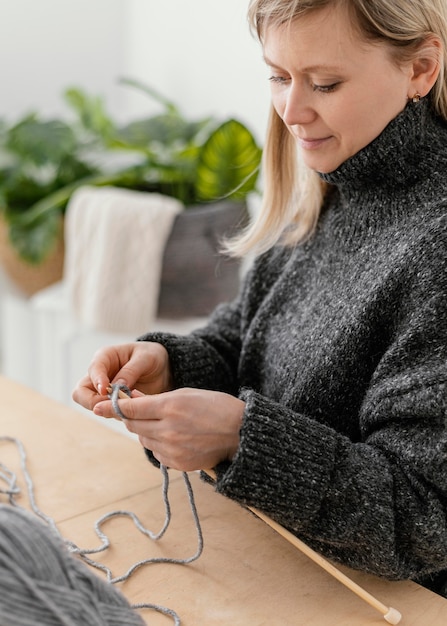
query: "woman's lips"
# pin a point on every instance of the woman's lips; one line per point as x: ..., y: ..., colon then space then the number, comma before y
x: 312, y: 144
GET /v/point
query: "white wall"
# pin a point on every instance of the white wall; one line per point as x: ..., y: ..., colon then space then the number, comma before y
x: 49, y: 45
x: 199, y: 53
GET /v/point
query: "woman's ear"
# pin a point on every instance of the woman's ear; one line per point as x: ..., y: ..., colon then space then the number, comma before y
x: 426, y: 66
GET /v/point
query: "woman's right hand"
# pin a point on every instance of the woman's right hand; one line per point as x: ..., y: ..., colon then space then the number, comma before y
x: 140, y: 365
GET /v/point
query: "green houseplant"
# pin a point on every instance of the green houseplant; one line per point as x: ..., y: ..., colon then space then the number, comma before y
x: 42, y: 162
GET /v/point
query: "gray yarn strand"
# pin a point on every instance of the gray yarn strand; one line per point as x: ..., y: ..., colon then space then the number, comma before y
x: 74, y: 597
x: 83, y: 553
x: 12, y: 488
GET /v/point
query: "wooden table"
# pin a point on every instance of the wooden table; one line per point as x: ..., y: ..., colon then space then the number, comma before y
x: 247, y: 575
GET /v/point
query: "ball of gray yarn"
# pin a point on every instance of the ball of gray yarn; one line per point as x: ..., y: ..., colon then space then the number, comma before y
x: 42, y: 584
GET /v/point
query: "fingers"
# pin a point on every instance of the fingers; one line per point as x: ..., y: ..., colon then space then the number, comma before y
x: 92, y: 388
x: 185, y: 429
x: 138, y: 364
x: 86, y: 395
x: 138, y: 407
x: 142, y: 365
x: 114, y: 364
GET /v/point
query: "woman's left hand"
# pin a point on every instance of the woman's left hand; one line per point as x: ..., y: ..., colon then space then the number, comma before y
x: 185, y: 429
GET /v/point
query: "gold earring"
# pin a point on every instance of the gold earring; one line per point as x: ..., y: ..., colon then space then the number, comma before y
x: 416, y: 98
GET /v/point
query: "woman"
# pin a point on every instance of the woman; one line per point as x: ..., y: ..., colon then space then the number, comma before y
x: 319, y: 395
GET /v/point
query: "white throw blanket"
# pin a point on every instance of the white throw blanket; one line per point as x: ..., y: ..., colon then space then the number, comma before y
x: 115, y: 240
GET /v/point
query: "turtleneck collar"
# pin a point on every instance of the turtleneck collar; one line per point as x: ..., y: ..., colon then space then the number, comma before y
x: 405, y: 153
x: 390, y: 179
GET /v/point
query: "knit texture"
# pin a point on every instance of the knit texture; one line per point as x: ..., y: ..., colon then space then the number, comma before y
x: 339, y: 349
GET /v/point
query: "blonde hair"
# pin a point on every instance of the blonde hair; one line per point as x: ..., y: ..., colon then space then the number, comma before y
x: 293, y: 194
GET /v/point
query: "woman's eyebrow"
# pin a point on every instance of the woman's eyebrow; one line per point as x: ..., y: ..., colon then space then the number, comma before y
x: 319, y: 67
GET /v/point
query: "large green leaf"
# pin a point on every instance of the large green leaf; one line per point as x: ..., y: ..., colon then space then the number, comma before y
x: 20, y: 191
x: 228, y: 164
x: 91, y: 113
x: 41, y: 142
x: 164, y: 128
x: 34, y: 242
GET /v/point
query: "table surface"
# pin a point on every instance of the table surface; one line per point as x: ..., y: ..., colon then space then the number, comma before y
x: 248, y: 575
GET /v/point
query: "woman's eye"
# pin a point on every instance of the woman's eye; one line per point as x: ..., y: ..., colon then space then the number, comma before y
x: 278, y: 79
x: 325, y: 88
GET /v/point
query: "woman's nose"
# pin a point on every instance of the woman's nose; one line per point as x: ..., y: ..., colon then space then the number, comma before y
x: 298, y: 108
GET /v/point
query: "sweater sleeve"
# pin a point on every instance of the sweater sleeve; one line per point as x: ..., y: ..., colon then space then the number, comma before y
x: 379, y: 505
x: 206, y: 358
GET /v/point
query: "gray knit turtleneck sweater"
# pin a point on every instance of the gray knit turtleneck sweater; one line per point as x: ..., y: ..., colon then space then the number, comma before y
x: 339, y: 349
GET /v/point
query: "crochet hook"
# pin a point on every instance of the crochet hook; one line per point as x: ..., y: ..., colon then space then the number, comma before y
x: 392, y: 616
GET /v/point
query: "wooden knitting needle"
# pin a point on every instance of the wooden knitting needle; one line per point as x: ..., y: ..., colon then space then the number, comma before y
x: 392, y: 616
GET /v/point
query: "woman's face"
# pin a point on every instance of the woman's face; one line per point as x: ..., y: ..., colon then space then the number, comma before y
x: 335, y: 92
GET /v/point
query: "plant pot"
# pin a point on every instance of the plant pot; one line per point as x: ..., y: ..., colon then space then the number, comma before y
x: 195, y: 275
x: 28, y: 278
